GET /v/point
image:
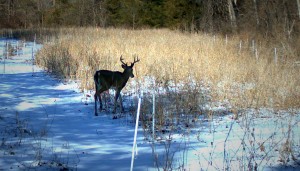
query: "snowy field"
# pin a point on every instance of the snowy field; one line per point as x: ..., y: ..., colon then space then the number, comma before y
x: 47, y: 124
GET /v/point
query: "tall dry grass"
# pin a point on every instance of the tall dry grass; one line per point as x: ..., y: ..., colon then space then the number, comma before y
x: 228, y: 72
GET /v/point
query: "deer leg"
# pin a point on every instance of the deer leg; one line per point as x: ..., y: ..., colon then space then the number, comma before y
x: 100, y: 101
x: 95, y: 97
x: 116, y: 99
x: 106, y: 95
x: 121, y: 103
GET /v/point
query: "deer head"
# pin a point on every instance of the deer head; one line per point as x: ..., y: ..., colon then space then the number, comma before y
x: 128, y: 70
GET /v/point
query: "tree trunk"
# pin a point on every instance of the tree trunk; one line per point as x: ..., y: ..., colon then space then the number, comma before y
x: 210, y: 15
x: 232, y: 15
x: 298, y: 5
x: 255, y: 12
x: 207, y: 18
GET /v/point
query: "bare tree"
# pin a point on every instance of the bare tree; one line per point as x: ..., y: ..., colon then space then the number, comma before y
x: 298, y: 5
x: 232, y: 14
x: 255, y: 11
x: 207, y: 17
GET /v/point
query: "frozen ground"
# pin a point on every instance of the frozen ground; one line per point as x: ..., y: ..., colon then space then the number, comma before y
x: 46, y: 124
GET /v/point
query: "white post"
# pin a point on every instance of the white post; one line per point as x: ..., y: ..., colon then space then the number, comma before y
x: 153, y: 117
x: 275, y: 55
x: 32, y: 58
x: 11, y: 33
x: 17, y: 47
x: 256, y: 54
x: 253, y: 45
x: 6, y: 57
x: 34, y: 41
x: 24, y: 45
x: 240, y: 47
x: 135, y: 134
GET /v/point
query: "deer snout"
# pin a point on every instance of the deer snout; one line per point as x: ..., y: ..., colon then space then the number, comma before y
x: 131, y: 76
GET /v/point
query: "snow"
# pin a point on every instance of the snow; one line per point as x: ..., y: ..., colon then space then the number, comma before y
x: 46, y: 124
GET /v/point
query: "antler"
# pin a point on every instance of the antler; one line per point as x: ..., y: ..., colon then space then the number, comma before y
x: 135, y: 60
x: 121, y: 59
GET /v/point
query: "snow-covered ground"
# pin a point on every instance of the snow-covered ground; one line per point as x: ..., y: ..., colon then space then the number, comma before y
x: 46, y: 124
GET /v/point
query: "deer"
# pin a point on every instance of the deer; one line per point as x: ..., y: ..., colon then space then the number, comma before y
x: 106, y: 79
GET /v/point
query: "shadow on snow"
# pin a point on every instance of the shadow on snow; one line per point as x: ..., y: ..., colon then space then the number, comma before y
x: 92, y: 143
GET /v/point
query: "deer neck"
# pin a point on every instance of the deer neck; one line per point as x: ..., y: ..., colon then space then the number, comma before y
x: 125, y: 76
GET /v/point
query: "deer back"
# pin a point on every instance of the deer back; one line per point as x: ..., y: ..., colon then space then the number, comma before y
x: 110, y: 79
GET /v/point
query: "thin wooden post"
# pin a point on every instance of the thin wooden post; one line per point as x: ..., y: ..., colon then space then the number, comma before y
x: 153, y: 116
x: 34, y: 41
x: 32, y: 53
x: 256, y: 54
x: 17, y: 47
x: 134, y: 146
x: 32, y: 58
x: 5, y: 57
x: 240, y: 49
x: 275, y: 55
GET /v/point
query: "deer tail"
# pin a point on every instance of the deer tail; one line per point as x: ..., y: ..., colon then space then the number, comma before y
x: 97, y: 80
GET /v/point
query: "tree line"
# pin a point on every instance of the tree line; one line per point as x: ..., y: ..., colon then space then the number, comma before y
x: 267, y: 16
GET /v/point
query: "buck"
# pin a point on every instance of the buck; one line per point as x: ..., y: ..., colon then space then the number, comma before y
x: 105, y: 80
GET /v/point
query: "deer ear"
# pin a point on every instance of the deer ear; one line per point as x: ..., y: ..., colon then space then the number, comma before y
x: 124, y: 66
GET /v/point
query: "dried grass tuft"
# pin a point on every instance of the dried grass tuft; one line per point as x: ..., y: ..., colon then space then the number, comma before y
x: 243, y: 76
